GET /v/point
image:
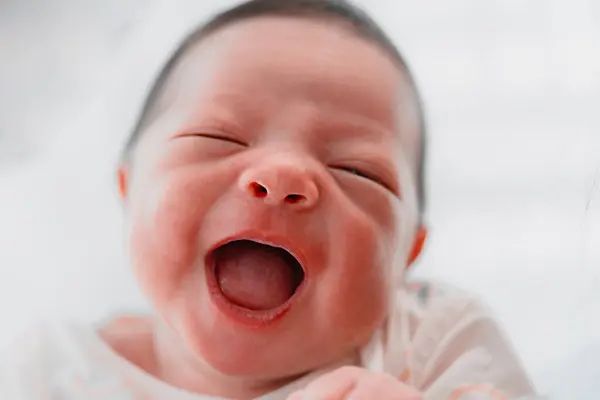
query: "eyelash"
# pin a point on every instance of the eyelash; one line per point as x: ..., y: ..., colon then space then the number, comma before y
x: 216, y: 137
x: 362, y: 174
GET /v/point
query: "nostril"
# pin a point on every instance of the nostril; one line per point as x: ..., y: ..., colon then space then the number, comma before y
x: 294, y: 198
x: 258, y: 190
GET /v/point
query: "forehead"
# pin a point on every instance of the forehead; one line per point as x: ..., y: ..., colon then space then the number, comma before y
x: 265, y: 62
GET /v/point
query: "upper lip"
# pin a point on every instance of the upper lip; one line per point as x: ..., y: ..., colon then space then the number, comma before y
x: 266, y: 238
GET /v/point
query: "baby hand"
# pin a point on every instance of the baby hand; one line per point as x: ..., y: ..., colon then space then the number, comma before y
x: 353, y: 383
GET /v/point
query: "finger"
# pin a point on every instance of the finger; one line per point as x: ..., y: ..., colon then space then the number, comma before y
x: 334, y: 385
x: 379, y: 386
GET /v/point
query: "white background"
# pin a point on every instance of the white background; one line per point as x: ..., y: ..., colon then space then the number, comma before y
x: 512, y: 90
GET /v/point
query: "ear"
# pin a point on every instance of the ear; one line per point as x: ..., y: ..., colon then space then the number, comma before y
x: 417, y: 247
x: 123, y: 181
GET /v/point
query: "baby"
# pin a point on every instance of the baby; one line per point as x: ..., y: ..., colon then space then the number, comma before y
x: 273, y: 192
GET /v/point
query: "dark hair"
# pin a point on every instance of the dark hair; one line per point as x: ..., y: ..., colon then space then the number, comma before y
x: 359, y: 20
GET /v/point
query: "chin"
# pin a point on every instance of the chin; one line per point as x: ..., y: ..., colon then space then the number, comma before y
x: 281, y: 351
x: 249, y: 355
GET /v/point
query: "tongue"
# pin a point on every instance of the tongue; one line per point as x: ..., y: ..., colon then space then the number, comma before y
x: 254, y: 276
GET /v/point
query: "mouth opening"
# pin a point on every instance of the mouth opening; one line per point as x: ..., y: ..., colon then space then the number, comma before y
x: 256, y: 276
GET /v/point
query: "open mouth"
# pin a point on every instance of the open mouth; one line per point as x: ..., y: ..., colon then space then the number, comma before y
x: 256, y: 276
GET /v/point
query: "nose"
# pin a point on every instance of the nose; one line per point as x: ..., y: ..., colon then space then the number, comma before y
x: 281, y: 183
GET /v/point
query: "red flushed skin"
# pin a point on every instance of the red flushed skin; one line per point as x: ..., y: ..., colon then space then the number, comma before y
x: 330, y: 121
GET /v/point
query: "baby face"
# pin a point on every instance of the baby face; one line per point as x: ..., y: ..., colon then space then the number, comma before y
x: 272, y: 200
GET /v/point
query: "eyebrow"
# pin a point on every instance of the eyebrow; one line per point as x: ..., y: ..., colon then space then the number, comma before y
x: 230, y: 105
x: 355, y: 127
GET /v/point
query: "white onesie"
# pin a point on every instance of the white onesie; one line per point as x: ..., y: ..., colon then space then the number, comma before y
x: 443, y: 342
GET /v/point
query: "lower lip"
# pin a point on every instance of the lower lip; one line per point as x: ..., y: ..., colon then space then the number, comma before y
x: 241, y: 315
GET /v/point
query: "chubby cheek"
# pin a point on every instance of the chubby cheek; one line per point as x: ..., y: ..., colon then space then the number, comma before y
x: 361, y: 308
x: 365, y: 246
x: 165, y: 219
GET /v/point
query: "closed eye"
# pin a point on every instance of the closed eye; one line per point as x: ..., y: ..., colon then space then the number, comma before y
x: 215, y: 137
x: 364, y: 174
